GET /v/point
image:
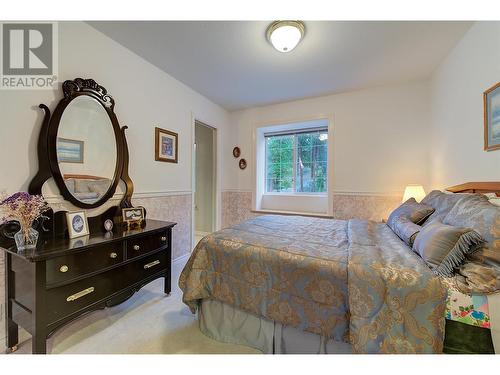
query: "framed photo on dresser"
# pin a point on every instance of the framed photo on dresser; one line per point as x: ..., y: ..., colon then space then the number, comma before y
x: 133, y: 214
x: 491, y: 98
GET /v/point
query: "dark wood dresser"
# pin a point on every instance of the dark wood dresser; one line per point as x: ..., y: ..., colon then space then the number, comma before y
x: 62, y: 279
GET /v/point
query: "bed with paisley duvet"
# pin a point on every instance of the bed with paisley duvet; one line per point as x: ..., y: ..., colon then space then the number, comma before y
x: 425, y: 281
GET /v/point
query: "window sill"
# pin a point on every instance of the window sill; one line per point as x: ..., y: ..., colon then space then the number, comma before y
x: 319, y: 195
x: 293, y: 213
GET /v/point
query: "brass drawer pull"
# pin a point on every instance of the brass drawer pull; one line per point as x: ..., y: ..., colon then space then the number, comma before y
x: 64, y: 268
x: 84, y: 292
x: 113, y: 255
x: 137, y: 247
x: 152, y: 264
x: 164, y: 239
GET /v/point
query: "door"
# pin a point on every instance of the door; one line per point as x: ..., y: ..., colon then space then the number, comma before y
x: 204, y: 196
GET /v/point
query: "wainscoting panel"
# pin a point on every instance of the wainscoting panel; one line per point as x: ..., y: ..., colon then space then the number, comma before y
x: 175, y: 208
x: 237, y: 206
x: 361, y: 206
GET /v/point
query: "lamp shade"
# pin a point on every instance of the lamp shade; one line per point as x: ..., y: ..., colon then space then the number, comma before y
x: 414, y: 191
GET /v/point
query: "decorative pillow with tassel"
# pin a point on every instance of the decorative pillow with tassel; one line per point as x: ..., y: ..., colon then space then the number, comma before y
x: 444, y: 247
x: 406, y: 229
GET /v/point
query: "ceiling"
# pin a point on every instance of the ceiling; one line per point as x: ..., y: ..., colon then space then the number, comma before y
x: 232, y: 64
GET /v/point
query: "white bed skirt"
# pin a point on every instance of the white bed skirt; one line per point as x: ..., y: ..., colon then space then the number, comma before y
x: 225, y: 323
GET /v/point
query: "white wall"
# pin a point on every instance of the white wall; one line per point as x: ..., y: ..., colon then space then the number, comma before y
x: 380, y: 137
x: 457, y: 88
x: 145, y: 97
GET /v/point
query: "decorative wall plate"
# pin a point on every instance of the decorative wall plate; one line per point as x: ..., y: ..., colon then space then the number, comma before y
x: 243, y: 163
x: 236, y: 152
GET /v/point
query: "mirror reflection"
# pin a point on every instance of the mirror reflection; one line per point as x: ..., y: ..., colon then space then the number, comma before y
x: 86, y: 149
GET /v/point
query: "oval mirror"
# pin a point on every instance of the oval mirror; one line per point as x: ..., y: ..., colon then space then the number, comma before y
x: 86, y: 149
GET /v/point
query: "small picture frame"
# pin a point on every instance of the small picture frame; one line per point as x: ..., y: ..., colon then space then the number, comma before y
x: 133, y: 216
x: 491, y: 99
x: 166, y: 146
x: 78, y: 225
x: 70, y: 150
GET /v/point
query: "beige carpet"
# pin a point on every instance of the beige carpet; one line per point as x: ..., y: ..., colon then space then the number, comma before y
x: 148, y: 323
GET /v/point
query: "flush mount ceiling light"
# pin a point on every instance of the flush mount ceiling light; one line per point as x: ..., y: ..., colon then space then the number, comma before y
x: 285, y: 35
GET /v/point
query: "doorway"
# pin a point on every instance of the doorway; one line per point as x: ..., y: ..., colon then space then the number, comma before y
x: 204, y: 180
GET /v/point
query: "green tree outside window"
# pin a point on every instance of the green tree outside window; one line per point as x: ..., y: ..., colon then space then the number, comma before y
x: 297, y: 162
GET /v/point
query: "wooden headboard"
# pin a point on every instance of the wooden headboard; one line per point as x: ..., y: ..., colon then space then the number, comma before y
x: 83, y: 177
x: 477, y: 187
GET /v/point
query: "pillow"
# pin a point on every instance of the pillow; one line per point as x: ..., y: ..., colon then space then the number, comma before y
x: 442, y: 203
x: 413, y: 211
x: 406, y: 230
x: 82, y: 186
x: 99, y: 186
x: 493, y: 199
x: 444, y: 247
x: 482, y: 272
x: 490, y: 195
x: 70, y: 184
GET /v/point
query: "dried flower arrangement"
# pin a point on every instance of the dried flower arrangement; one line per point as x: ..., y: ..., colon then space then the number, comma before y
x: 24, y: 208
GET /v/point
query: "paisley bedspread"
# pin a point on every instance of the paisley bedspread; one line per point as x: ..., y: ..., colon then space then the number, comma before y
x: 353, y: 281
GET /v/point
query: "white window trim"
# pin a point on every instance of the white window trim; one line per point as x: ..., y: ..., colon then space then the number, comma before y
x: 258, y: 168
x: 292, y: 194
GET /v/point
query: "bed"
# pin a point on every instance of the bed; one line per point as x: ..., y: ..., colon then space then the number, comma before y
x: 86, y: 188
x: 292, y: 284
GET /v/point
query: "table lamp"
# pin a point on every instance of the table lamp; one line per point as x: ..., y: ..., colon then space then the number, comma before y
x: 414, y: 191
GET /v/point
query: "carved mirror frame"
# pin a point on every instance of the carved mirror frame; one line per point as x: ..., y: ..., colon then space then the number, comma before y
x: 48, y: 165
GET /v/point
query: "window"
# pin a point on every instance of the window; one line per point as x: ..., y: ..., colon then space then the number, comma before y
x: 296, y: 161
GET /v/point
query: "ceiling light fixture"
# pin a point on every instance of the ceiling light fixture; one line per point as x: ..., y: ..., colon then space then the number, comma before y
x: 285, y: 35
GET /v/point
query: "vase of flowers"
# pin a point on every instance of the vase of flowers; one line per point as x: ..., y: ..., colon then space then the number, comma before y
x: 25, y: 209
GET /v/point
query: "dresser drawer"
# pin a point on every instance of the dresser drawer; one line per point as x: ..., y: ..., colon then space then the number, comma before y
x: 69, y: 299
x: 69, y: 267
x: 143, y: 245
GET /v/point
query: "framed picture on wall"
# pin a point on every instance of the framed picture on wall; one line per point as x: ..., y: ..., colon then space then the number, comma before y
x: 166, y: 145
x: 69, y: 150
x: 77, y: 224
x: 491, y: 99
